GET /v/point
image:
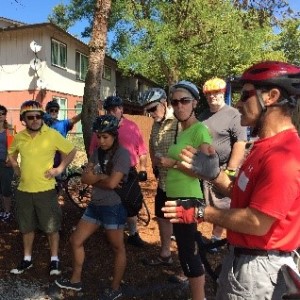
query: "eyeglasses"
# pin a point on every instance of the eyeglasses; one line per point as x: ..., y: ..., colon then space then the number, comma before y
x: 247, y: 94
x: 53, y: 110
x: 183, y: 101
x: 36, y: 117
x: 152, y: 109
x: 2, y: 114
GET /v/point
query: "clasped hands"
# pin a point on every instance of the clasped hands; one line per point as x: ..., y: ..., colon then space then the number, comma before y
x: 204, y: 163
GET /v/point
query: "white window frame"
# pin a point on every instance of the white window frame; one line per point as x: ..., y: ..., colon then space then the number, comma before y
x: 81, y: 63
x: 58, y: 54
x: 63, y: 104
x: 107, y: 73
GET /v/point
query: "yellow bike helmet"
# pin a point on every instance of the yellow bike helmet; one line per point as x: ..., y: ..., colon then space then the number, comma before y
x: 30, y: 105
x: 214, y: 85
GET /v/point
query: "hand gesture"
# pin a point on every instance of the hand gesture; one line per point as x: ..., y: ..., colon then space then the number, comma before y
x: 204, y: 163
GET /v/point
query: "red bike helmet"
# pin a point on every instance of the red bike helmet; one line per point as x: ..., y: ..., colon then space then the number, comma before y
x: 274, y: 73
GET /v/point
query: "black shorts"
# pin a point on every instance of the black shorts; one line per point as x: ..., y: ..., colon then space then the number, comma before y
x: 160, y: 200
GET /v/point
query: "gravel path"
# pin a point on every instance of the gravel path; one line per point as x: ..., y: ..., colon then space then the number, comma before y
x: 22, y: 290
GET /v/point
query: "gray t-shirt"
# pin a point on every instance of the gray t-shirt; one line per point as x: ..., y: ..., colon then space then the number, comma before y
x: 121, y: 163
x: 225, y: 128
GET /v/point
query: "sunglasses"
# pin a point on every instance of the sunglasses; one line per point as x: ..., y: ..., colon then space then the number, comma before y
x: 36, y: 117
x: 53, y: 110
x: 245, y: 95
x: 152, y: 109
x: 183, y: 101
x: 2, y: 114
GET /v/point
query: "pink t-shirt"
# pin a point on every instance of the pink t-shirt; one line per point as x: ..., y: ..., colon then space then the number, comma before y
x: 130, y: 137
x: 269, y: 181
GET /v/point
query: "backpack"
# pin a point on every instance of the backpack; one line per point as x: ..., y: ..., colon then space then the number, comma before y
x: 130, y: 191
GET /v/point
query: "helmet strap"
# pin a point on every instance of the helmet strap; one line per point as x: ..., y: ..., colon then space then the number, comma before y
x: 258, y: 124
x: 191, y: 114
x: 290, y: 101
x: 165, y: 111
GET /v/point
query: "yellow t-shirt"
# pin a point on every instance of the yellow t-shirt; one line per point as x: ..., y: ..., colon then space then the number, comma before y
x: 37, y: 155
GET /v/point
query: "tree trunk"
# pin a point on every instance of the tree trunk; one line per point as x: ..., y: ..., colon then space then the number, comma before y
x: 97, y: 46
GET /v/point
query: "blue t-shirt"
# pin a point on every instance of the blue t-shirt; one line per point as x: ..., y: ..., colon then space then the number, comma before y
x: 62, y: 126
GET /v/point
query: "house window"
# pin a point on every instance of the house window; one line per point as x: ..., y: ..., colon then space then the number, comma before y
x: 107, y: 73
x: 78, y: 109
x: 63, y: 108
x: 81, y: 62
x: 58, y: 54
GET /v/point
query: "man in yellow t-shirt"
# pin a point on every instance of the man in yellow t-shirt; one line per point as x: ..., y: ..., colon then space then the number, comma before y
x: 36, y: 201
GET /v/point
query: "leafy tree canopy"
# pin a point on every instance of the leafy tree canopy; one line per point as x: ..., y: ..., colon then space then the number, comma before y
x: 168, y: 40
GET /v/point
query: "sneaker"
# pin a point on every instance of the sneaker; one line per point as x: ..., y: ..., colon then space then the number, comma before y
x: 55, y: 267
x: 5, y: 216
x: 135, y: 240
x: 110, y: 294
x: 68, y: 285
x: 23, y: 266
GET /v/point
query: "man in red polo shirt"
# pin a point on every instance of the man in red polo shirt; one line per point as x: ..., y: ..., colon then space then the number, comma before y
x: 263, y: 222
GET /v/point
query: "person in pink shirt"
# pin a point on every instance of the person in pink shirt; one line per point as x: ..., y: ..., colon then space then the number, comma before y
x: 130, y: 137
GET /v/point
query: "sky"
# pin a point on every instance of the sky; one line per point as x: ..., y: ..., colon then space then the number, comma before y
x: 34, y: 11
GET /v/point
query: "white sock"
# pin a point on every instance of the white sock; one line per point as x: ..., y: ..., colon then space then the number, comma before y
x: 27, y: 257
x: 54, y: 258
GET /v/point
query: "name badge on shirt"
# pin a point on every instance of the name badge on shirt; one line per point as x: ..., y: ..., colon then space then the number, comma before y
x: 243, y: 181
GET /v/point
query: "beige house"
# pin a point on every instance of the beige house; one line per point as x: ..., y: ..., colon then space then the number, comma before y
x: 44, y: 62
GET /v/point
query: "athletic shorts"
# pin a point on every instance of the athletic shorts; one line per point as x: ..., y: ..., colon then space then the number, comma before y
x: 160, y: 200
x: 251, y: 277
x: 214, y: 198
x: 38, y: 211
x: 108, y: 216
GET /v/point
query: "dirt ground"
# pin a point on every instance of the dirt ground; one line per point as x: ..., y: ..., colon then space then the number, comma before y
x: 140, y: 281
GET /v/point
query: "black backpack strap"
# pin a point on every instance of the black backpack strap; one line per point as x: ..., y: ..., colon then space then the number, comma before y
x: 101, y: 158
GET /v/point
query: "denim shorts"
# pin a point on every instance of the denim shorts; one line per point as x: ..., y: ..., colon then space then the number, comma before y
x: 108, y: 216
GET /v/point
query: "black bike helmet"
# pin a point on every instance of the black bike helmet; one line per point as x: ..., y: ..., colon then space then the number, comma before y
x: 30, y: 105
x: 112, y: 101
x: 153, y: 95
x: 52, y: 104
x: 106, y: 123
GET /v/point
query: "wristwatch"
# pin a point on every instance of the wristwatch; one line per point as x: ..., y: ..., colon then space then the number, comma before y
x: 200, y: 213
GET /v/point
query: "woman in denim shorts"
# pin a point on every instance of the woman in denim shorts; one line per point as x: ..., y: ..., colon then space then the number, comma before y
x: 105, y: 208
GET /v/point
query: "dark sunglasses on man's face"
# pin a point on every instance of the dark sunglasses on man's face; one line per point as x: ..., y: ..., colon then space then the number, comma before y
x: 36, y: 117
x: 245, y: 95
x: 152, y: 109
x: 2, y: 113
x: 183, y: 101
x: 53, y: 110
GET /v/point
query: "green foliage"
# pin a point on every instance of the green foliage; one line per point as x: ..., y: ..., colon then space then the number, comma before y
x: 195, y: 39
x: 289, y: 40
x: 188, y: 39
